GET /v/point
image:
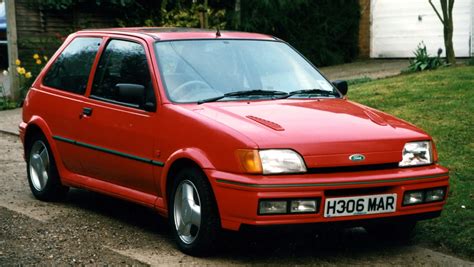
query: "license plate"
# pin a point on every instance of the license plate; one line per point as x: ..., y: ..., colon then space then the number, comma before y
x: 360, y: 205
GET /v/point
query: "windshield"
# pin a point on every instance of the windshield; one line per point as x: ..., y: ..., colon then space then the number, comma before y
x: 196, y: 70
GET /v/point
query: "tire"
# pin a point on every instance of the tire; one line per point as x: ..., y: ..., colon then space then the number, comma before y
x: 43, y: 176
x: 398, y: 231
x: 194, y: 217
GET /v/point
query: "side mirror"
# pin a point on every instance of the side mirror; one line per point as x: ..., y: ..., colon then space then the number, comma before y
x: 150, y: 107
x: 341, y: 86
x: 131, y: 93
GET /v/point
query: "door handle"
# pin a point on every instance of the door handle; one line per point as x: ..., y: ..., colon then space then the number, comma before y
x: 86, y: 112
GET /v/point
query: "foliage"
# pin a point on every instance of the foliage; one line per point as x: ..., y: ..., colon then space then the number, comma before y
x: 470, y: 62
x: 27, y: 76
x: 442, y: 103
x: 44, y: 45
x: 53, y: 4
x: 326, y: 31
x: 5, y: 102
x: 189, y: 17
x: 59, y: 5
x: 423, y: 61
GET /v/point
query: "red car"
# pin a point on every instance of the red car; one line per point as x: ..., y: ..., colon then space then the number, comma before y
x: 216, y: 130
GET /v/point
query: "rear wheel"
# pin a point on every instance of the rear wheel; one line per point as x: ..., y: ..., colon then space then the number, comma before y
x: 193, y: 213
x: 43, y: 176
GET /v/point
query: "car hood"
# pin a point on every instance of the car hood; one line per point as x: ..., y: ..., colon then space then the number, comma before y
x: 326, y: 132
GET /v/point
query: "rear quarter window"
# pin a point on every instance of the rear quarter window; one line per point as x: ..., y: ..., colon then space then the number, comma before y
x: 70, y: 71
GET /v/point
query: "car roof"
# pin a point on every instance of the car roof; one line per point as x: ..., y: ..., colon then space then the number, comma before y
x: 175, y: 33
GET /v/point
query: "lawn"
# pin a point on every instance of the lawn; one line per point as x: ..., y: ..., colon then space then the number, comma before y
x: 442, y: 103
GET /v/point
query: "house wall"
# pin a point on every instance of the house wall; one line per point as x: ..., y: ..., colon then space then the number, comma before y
x: 472, y: 28
x: 399, y: 26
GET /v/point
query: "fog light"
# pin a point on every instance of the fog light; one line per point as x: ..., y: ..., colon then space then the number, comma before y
x: 433, y: 195
x: 413, y: 197
x: 303, y: 206
x: 272, y: 207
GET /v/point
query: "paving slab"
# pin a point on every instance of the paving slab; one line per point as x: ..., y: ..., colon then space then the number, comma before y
x: 9, y: 121
x: 374, y: 69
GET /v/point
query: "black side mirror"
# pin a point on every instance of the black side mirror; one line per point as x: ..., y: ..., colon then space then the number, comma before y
x: 150, y: 107
x: 131, y: 93
x: 341, y: 86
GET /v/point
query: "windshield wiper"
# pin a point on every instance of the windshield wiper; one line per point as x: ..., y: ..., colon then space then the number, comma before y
x: 257, y: 92
x: 318, y: 92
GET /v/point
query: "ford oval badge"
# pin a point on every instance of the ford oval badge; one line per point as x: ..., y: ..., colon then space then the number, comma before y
x: 357, y: 157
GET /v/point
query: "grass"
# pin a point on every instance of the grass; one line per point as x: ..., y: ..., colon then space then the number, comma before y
x: 442, y: 103
x: 359, y: 80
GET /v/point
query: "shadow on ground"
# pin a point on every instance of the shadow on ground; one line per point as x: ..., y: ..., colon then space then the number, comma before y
x: 279, y: 243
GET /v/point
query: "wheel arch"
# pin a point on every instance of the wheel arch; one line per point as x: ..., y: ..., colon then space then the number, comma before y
x: 184, y: 158
x: 38, y: 126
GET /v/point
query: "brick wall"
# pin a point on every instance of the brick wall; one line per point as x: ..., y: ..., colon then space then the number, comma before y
x: 364, y: 29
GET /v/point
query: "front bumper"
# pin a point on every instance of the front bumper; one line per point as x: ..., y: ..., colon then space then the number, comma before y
x: 238, y: 195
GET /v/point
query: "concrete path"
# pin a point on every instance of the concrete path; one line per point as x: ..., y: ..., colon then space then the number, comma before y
x: 374, y: 69
x: 9, y: 121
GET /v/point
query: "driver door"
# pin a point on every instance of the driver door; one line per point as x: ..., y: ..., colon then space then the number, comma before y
x: 121, y: 133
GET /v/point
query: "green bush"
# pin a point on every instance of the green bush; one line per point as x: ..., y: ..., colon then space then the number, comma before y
x: 423, y: 61
x: 470, y: 62
x: 325, y: 31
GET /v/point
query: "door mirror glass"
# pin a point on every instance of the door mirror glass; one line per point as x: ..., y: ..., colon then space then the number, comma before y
x: 130, y: 93
x: 341, y: 86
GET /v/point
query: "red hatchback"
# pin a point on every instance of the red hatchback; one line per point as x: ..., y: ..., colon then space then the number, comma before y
x: 219, y: 130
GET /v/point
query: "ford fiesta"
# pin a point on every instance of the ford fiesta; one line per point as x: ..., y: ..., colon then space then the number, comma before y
x: 220, y: 130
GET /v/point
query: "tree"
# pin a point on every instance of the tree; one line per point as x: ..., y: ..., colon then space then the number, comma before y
x: 447, y: 20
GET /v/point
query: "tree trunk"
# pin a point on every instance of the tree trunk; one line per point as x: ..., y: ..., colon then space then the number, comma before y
x: 237, y: 15
x: 447, y: 20
x: 206, y: 18
x: 448, y: 41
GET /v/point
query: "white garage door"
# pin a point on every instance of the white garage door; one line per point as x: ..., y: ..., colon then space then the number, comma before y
x: 398, y: 26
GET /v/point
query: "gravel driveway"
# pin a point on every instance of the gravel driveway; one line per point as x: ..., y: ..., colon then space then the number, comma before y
x: 88, y: 228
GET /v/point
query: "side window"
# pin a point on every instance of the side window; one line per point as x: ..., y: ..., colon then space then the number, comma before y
x: 70, y: 72
x: 123, y: 76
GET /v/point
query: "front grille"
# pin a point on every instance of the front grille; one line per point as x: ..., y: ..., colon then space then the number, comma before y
x: 358, y: 168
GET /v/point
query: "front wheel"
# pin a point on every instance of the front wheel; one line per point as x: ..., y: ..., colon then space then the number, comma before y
x: 43, y: 176
x: 193, y: 213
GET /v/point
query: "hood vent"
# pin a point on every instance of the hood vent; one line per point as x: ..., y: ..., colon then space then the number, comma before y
x: 375, y: 118
x: 269, y: 124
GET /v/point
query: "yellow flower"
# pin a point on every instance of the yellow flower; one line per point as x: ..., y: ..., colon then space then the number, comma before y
x: 28, y: 75
x: 36, y: 56
x: 38, y: 61
x: 18, y: 62
x: 45, y: 58
x: 20, y: 70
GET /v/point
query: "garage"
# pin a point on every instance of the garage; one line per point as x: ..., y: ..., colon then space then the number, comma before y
x: 397, y: 27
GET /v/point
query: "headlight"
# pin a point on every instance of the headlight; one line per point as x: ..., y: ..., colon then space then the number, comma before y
x: 416, y: 153
x: 270, y: 161
x: 281, y: 161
